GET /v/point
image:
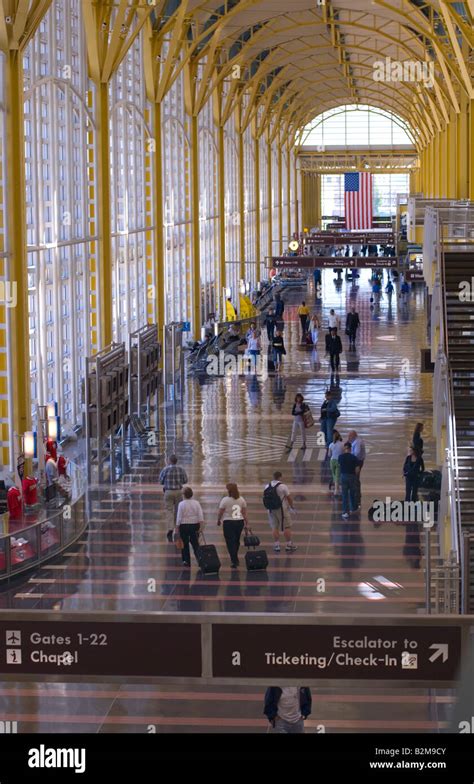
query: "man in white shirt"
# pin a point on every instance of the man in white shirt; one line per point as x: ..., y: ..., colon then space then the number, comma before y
x: 287, y: 708
x: 189, y: 522
x: 280, y: 518
x: 334, y: 322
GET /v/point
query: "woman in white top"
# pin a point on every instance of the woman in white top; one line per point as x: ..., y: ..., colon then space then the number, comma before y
x: 336, y: 449
x: 189, y: 521
x: 254, y: 347
x: 233, y: 510
x: 314, y: 328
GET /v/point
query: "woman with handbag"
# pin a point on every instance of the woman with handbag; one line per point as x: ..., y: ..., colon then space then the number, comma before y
x: 299, y: 411
x: 233, y: 510
x: 329, y: 416
x: 189, y: 523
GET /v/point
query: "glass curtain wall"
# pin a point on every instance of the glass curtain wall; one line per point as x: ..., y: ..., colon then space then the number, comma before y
x: 177, y: 204
x: 131, y: 157
x: 208, y: 211
x: 60, y: 210
x: 249, y: 208
x: 285, y: 197
x: 232, y: 214
x: 7, y: 289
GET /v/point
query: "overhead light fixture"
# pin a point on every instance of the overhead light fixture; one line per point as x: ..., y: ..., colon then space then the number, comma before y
x: 53, y: 428
x: 29, y: 444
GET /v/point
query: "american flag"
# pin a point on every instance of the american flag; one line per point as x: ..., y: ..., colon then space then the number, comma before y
x: 358, y: 200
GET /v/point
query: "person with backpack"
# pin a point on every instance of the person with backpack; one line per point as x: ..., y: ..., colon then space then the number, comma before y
x: 287, y: 708
x: 279, y: 503
x: 233, y: 509
x: 300, y: 408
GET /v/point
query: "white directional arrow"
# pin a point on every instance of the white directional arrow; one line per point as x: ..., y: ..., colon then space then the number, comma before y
x: 440, y: 649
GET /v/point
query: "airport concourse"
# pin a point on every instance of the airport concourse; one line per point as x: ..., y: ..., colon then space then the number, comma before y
x: 236, y: 378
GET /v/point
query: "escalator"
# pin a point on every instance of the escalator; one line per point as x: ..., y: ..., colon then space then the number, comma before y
x: 459, y: 269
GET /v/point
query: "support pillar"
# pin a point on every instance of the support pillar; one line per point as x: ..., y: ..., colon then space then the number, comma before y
x: 297, y: 206
x: 196, y: 263
x: 19, y: 386
x: 288, y: 188
x: 451, y: 156
x: 462, y: 156
x: 221, y: 200
x: 270, y: 195
x: 104, y: 294
x: 471, y: 151
x: 159, y: 232
x: 243, y: 274
x: 258, y: 260
x: 280, y: 197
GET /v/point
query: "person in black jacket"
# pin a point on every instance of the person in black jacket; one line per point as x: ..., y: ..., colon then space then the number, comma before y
x: 270, y: 323
x: 286, y: 709
x: 278, y: 347
x: 413, y: 468
x: 334, y: 348
x: 352, y: 325
x: 417, y: 441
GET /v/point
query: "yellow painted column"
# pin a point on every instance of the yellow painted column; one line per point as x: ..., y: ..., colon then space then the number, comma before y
x: 431, y: 171
x: 270, y: 198
x: 159, y: 231
x: 16, y: 217
x: 288, y: 189
x: 258, y: 260
x: 471, y: 151
x: 221, y: 201
x: 296, y: 208
x: 196, y: 263
x: 280, y: 197
x: 451, y: 135
x: 462, y: 154
x: 105, y: 241
x: 243, y: 273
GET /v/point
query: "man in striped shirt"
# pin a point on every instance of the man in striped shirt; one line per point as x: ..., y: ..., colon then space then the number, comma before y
x: 172, y: 477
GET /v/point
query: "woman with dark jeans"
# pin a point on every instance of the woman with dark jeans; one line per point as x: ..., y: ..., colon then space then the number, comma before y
x: 417, y: 441
x: 233, y: 509
x: 412, y: 471
x: 189, y: 522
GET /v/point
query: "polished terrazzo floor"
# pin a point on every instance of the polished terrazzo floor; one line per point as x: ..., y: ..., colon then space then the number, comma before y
x: 235, y: 429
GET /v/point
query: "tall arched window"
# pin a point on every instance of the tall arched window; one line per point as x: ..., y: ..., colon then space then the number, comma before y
x: 356, y: 125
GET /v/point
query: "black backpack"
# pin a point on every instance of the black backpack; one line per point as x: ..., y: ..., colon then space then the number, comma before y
x: 271, y: 499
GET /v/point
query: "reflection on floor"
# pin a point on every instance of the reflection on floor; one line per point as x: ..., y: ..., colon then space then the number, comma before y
x: 235, y: 429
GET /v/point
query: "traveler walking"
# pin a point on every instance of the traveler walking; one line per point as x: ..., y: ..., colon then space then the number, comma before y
x: 233, y: 510
x: 254, y: 347
x: 413, y: 468
x: 278, y: 345
x: 329, y: 416
x: 358, y: 449
x: 336, y: 448
x: 349, y: 468
x: 287, y: 708
x: 172, y: 477
x: 417, y: 440
x: 334, y: 322
x: 314, y: 328
x: 279, y: 309
x: 189, y: 522
x: 303, y: 313
x: 334, y: 348
x: 279, y: 503
x: 298, y: 411
x: 352, y: 325
x: 270, y: 323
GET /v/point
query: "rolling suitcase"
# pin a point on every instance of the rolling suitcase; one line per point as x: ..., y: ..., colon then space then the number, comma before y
x: 256, y: 560
x: 270, y: 365
x: 208, y: 559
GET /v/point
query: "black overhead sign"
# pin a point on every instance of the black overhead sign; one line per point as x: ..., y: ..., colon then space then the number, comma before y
x: 339, y: 652
x: 93, y: 648
x: 333, y: 262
